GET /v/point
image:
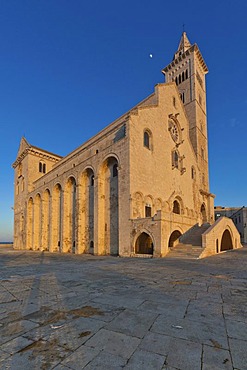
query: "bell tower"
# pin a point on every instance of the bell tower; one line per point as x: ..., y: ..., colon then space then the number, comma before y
x: 188, y: 71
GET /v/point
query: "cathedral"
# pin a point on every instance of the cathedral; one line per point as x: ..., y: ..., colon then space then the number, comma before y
x: 139, y: 187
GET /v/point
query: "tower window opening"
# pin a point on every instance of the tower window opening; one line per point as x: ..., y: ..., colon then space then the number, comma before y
x: 147, y: 140
x: 182, y: 97
x: 186, y: 74
x: 42, y: 167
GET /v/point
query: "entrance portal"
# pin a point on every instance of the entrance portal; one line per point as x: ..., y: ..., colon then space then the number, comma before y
x: 144, y: 244
x: 174, y: 238
x: 226, y: 241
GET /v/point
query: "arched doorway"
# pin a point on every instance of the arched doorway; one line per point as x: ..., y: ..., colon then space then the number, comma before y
x: 174, y: 238
x: 144, y: 244
x: 37, y: 217
x: 69, y: 231
x: 108, y: 209
x: 203, y: 213
x: 226, y: 241
x: 45, y: 237
x: 56, y: 219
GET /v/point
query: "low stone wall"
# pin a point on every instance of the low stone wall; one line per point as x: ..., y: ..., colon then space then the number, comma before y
x: 4, y: 245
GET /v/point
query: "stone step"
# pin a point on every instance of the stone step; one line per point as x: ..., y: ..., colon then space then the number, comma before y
x: 194, y: 235
x: 185, y: 251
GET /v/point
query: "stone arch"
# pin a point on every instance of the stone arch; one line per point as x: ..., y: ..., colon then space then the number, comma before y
x: 29, y: 231
x: 56, y: 218
x: 86, y: 210
x: 108, y: 199
x: 203, y: 213
x: 46, y: 210
x: 144, y: 243
x: 174, y: 238
x: 69, y: 215
x: 226, y: 241
x: 137, y: 205
x: 37, y: 218
x: 158, y: 204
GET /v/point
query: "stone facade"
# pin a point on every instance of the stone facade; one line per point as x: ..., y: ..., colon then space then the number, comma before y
x: 135, y: 187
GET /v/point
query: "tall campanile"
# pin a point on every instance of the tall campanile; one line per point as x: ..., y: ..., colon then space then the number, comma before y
x: 188, y: 71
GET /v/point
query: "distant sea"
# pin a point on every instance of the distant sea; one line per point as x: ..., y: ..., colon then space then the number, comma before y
x: 6, y: 242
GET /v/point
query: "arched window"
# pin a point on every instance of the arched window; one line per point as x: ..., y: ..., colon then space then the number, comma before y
x: 183, y: 76
x: 176, y: 207
x: 179, y: 79
x: 42, y: 167
x: 186, y: 74
x: 176, y: 80
x: 147, y: 140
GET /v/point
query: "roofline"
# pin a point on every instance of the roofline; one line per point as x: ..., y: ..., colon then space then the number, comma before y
x: 175, y: 61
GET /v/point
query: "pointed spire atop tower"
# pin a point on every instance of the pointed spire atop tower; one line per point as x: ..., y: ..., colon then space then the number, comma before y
x: 184, y: 45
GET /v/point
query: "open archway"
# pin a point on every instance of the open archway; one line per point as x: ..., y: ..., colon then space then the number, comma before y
x: 56, y: 219
x: 144, y: 244
x: 108, y: 198
x: 45, y: 237
x: 226, y: 241
x: 174, y: 238
x: 69, y: 226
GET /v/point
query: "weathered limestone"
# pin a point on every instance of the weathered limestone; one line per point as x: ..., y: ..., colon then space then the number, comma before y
x: 133, y: 189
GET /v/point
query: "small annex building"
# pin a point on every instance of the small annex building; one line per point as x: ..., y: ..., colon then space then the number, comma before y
x: 138, y: 187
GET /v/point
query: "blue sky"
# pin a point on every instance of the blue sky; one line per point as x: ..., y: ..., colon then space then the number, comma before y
x: 69, y: 68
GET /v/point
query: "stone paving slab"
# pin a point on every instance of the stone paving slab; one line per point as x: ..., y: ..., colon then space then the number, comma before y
x: 212, y: 333
x: 216, y: 359
x: 134, y: 323
x: 65, y: 311
x: 115, y: 343
x: 239, y: 353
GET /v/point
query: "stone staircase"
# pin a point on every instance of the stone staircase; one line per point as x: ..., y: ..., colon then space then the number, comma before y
x: 190, y: 243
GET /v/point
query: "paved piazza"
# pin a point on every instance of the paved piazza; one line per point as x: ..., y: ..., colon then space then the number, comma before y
x: 89, y: 312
